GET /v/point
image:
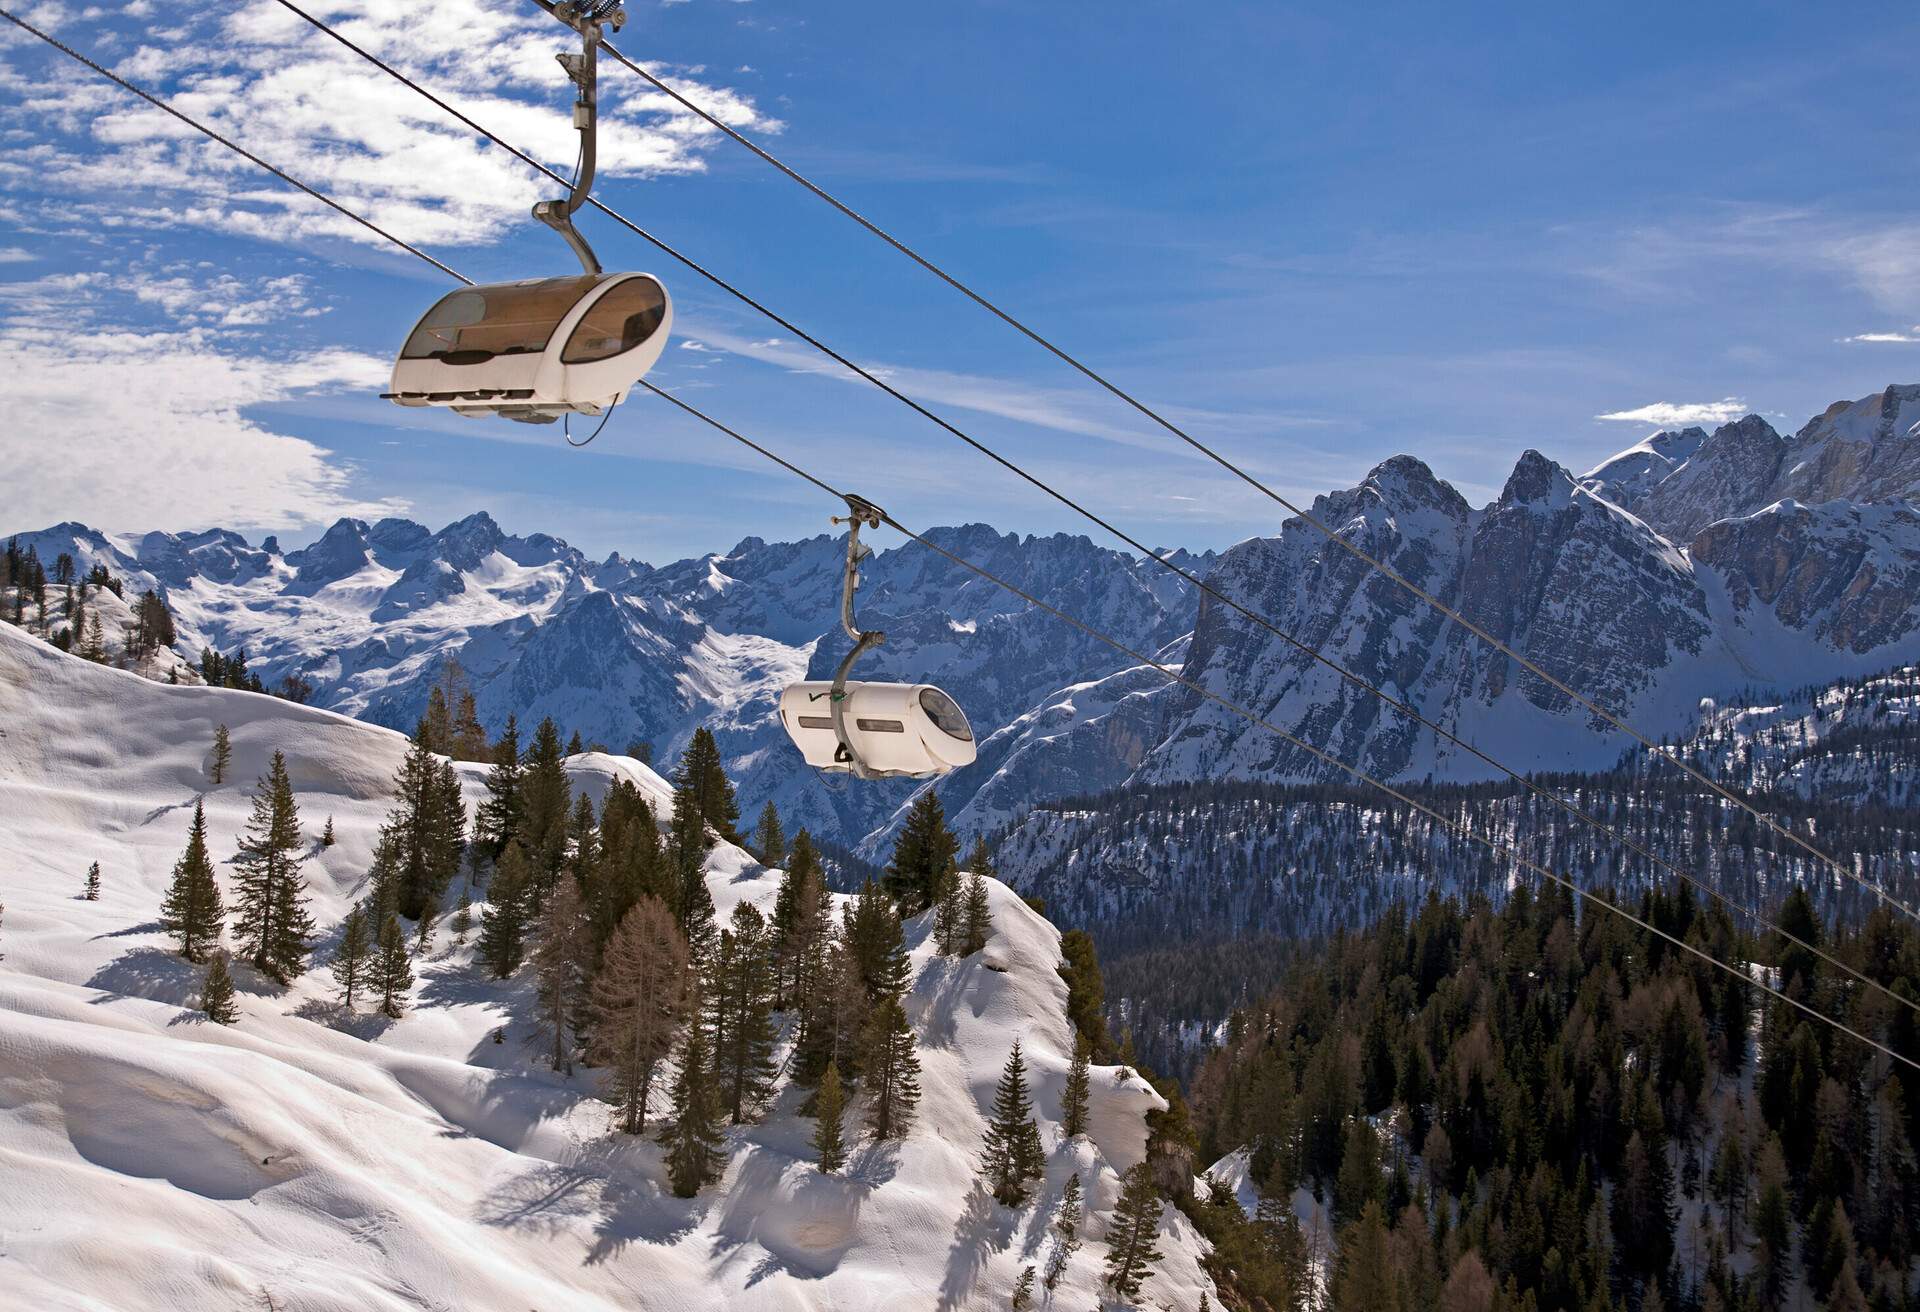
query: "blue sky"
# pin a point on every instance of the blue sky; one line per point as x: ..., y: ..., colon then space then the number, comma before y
x: 1320, y: 235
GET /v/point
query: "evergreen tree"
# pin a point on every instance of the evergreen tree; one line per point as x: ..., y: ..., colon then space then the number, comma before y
x: 435, y: 731
x: 1364, y: 1274
x: 351, y: 959
x: 629, y: 866
x: 924, y: 853
x: 1013, y: 1156
x: 192, y: 910
x: 703, y: 774
x: 1023, y: 1291
x: 562, y: 960
x: 269, y: 891
x: 90, y: 886
x: 799, y: 918
x: 692, y: 1138
x: 949, y: 913
x: 222, y: 755
x: 829, y: 1105
x: 216, y: 992
x: 504, y: 921
x: 1132, y: 1232
x: 771, y: 839
x: 740, y: 999
x: 469, y: 738
x: 639, y: 1000
x: 462, y: 923
x: 687, y: 846
x: 1073, y: 1100
x: 879, y: 949
x: 976, y: 920
x: 424, y: 834
x: 1066, y: 1231
x: 94, y: 647
x: 890, y: 1068
x: 500, y: 819
x: 327, y: 838
x: 389, y: 973
x: 548, y: 797
x: 1086, y: 991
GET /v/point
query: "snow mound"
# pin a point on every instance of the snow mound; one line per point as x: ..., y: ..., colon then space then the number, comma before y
x: 315, y: 1163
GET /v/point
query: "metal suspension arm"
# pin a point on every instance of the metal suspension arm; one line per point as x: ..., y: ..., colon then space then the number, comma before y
x: 585, y: 17
x: 860, y: 512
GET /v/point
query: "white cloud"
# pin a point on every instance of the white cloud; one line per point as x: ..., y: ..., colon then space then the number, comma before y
x: 15, y: 255
x: 260, y: 75
x: 1669, y: 414
x: 1910, y: 336
x: 149, y: 430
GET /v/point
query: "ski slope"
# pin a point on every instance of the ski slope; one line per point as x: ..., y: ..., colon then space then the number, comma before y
x: 312, y: 1162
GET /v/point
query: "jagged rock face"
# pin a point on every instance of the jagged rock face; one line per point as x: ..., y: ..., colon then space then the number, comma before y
x: 1725, y: 477
x: 1864, y: 450
x: 1848, y: 574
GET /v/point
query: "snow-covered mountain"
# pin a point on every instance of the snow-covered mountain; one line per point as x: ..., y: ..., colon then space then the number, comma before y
x: 306, y: 1159
x: 1864, y: 450
x: 1690, y: 565
x: 628, y: 653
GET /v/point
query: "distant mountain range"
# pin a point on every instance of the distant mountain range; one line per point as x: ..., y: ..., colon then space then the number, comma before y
x: 1688, y: 566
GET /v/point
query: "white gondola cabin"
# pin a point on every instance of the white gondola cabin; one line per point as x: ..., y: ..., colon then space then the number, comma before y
x: 535, y: 350
x: 894, y: 728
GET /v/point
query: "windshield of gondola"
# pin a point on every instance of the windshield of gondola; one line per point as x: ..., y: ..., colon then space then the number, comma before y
x: 617, y: 322
x: 479, y: 323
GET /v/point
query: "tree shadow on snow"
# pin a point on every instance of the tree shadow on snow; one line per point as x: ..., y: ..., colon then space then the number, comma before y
x: 152, y: 973
x: 985, y: 1228
x: 364, y: 1025
x: 144, y: 927
x: 943, y: 988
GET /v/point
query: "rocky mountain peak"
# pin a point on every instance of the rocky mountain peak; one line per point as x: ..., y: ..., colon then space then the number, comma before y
x: 1537, y: 481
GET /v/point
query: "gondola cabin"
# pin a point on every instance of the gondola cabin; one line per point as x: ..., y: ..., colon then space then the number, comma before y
x: 535, y: 350
x: 897, y: 728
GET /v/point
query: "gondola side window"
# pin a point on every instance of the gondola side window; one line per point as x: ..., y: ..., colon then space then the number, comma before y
x: 476, y: 324
x: 619, y: 321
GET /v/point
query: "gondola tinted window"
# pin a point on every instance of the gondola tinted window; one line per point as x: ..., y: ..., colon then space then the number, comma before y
x: 619, y: 321
x: 475, y: 324
x: 941, y: 710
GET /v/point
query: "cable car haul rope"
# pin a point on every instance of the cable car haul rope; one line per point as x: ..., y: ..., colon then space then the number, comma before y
x: 871, y: 730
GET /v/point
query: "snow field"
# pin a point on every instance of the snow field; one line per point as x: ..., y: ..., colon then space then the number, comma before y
x: 149, y: 1159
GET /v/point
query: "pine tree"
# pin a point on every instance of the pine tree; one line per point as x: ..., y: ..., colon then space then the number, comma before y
x: 740, y: 1001
x: 436, y: 726
x: 1013, y: 1156
x: 422, y: 840
x: 1132, y: 1232
x: 829, y: 1105
x: 879, y: 949
x: 469, y: 738
x: 503, y: 923
x: 216, y: 992
x: 350, y: 959
x: 925, y: 851
x: 90, y: 887
x: 1066, y: 1230
x: 703, y: 773
x: 500, y: 819
x: 1023, y: 1291
x: 192, y: 911
x: 462, y: 923
x: 326, y: 835
x: 389, y: 973
x: 949, y: 913
x: 772, y: 841
x: 561, y: 962
x: 890, y: 1068
x: 976, y: 915
x: 687, y: 848
x: 222, y: 755
x: 94, y: 648
x: 799, y: 919
x: 692, y: 1139
x: 269, y: 892
x: 639, y: 999
x: 1073, y: 1100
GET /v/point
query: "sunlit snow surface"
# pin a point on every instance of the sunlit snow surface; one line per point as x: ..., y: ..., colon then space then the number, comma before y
x: 307, y: 1161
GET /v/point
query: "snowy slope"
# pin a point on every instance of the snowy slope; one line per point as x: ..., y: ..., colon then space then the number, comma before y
x: 308, y: 1161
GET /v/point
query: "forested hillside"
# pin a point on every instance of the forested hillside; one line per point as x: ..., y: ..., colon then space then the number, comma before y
x: 1526, y: 1106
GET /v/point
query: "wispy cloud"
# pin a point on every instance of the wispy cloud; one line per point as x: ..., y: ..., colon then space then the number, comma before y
x: 1670, y: 414
x: 1912, y: 335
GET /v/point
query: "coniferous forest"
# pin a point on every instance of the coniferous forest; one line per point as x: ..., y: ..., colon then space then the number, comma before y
x: 1541, y: 1106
